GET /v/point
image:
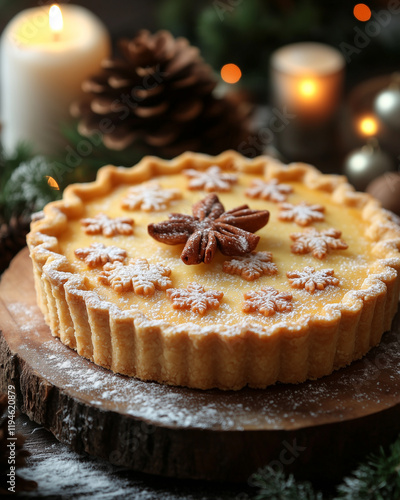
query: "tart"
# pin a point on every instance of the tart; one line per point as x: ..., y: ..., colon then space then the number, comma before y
x: 217, y: 272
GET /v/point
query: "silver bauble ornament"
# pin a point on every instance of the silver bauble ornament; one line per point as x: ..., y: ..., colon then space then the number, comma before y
x: 363, y: 165
x: 387, y: 105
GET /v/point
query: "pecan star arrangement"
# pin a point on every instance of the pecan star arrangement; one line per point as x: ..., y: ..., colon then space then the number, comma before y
x: 194, y: 288
x: 211, y: 227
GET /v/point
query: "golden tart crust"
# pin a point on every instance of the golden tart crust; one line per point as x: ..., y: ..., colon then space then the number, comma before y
x: 138, y: 333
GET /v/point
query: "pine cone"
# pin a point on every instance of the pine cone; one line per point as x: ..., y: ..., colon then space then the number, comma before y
x: 12, y: 238
x: 160, y: 93
x: 5, y: 453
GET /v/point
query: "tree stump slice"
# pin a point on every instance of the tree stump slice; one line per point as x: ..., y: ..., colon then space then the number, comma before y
x: 317, y: 430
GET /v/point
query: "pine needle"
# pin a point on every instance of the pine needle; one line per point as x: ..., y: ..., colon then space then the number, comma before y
x: 26, y: 188
x: 276, y: 486
x: 377, y: 479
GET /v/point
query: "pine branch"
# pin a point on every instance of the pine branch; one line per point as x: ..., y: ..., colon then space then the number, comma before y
x: 377, y: 479
x: 8, y: 163
x: 26, y: 188
x: 276, y: 486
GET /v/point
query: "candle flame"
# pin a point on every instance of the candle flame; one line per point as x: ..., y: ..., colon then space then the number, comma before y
x: 368, y: 126
x: 55, y: 19
x: 52, y: 183
x: 308, y: 88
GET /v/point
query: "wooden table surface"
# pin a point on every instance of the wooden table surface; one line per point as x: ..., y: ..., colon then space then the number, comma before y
x: 64, y: 474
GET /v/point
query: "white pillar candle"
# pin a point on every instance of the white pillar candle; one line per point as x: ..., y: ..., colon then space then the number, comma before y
x: 307, y: 78
x: 42, y: 70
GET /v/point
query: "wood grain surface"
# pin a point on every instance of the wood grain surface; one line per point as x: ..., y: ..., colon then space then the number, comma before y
x: 62, y: 473
x: 318, y: 429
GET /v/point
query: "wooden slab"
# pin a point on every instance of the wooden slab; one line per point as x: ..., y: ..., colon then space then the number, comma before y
x: 318, y: 428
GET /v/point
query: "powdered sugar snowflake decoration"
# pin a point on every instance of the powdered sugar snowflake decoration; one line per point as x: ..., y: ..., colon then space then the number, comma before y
x: 303, y: 213
x: 150, y: 197
x: 102, y: 224
x: 98, y: 254
x: 195, y: 298
x: 271, y: 191
x: 318, y: 243
x: 251, y: 266
x: 213, y: 179
x: 267, y: 301
x: 137, y: 275
x: 312, y: 280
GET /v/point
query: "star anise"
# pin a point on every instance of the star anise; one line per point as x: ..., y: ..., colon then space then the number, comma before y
x: 209, y: 228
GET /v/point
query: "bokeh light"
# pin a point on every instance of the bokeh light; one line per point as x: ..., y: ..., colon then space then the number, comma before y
x: 368, y: 126
x: 362, y: 12
x: 231, y: 73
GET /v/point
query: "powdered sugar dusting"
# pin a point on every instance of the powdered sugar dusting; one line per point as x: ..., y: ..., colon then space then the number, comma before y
x: 62, y: 471
x: 29, y: 319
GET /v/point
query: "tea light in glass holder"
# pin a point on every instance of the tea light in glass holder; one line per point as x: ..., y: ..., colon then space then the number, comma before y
x: 307, y: 78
